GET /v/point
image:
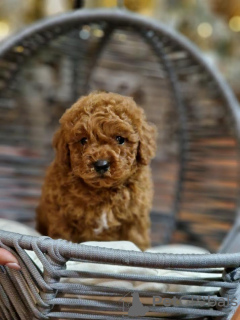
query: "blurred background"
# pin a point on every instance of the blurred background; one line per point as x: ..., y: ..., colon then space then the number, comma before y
x: 70, y: 63
x: 214, y: 25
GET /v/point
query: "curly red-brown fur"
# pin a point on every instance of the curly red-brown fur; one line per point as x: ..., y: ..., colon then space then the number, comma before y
x: 78, y: 203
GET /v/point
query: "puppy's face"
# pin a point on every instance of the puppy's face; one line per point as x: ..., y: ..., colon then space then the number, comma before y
x: 105, y: 138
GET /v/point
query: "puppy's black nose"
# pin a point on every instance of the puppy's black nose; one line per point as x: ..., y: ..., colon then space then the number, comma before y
x: 101, y: 166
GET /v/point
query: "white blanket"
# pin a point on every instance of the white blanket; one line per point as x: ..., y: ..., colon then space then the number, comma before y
x: 105, y: 268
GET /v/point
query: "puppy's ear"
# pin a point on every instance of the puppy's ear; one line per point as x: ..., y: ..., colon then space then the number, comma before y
x: 61, y: 146
x: 147, y: 143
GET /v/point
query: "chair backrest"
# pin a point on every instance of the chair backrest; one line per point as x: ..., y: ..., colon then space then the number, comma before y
x: 46, y: 67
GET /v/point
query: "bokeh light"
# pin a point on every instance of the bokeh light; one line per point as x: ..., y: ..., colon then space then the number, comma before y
x: 4, y: 29
x: 234, y: 23
x: 19, y: 49
x: 98, y: 33
x: 204, y: 30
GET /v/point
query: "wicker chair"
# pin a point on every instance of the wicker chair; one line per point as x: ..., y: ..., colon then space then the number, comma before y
x: 43, y: 69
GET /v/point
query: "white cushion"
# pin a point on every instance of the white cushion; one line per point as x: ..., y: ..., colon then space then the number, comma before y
x: 12, y: 226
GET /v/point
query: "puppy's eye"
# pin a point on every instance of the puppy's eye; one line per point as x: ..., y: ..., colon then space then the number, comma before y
x: 120, y: 139
x: 83, y: 141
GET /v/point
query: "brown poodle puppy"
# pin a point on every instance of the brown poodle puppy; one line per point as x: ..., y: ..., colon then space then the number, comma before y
x: 99, y: 185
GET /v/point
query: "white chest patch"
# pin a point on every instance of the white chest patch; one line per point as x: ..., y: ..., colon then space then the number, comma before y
x: 103, y: 224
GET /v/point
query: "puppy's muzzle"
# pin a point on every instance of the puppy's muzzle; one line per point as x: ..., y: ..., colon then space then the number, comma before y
x: 101, y: 166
